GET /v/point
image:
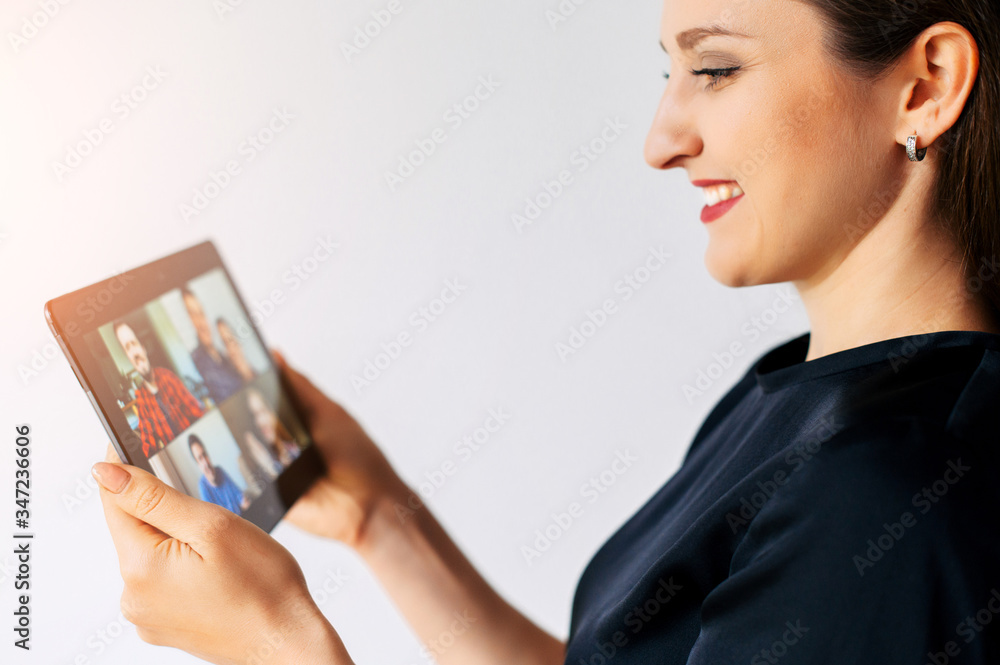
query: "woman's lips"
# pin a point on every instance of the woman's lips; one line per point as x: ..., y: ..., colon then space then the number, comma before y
x: 715, y: 190
x: 711, y: 213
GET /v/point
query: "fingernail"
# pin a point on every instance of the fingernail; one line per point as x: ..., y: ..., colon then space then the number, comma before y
x: 112, y: 477
x: 278, y: 356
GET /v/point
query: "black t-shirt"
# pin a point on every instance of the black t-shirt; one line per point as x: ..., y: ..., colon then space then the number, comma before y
x: 841, y: 510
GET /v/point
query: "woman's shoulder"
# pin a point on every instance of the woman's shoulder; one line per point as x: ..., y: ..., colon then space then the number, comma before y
x: 906, y: 449
x: 908, y: 417
x: 885, y: 532
x: 872, y: 483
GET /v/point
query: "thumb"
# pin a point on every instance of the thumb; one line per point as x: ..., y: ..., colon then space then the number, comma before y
x: 148, y: 499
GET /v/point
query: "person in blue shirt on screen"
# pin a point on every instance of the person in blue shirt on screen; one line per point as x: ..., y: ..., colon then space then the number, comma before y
x: 215, y: 484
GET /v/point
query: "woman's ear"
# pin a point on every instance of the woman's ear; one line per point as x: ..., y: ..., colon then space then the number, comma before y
x: 938, y: 74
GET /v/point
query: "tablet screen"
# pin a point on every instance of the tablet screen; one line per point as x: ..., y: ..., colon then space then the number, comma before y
x: 200, y: 402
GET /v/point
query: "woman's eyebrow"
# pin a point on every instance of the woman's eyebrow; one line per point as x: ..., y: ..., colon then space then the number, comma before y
x: 689, y: 38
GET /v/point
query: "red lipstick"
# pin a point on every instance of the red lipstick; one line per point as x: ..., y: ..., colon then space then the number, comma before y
x: 711, y: 213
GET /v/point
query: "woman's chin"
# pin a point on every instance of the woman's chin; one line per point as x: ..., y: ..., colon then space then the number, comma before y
x: 728, y: 267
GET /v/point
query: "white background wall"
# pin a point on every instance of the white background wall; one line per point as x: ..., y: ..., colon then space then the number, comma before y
x: 323, y: 177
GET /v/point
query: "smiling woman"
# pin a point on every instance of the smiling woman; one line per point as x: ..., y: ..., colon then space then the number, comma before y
x: 837, y: 505
x: 794, y: 116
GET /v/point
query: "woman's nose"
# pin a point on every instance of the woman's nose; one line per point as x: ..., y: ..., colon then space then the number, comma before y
x: 673, y: 136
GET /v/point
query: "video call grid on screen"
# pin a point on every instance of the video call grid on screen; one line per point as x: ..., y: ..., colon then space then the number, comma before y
x: 201, y: 398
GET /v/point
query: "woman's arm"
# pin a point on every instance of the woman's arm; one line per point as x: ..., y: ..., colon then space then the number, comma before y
x: 458, y: 617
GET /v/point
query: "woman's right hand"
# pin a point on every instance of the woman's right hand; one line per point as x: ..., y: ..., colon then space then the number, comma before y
x: 358, y: 476
x: 361, y: 501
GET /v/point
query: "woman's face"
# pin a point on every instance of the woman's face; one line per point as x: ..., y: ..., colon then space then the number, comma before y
x: 787, y: 127
x: 235, y: 351
x: 263, y: 416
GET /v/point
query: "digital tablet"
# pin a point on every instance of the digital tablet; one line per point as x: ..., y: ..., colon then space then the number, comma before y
x: 176, y: 369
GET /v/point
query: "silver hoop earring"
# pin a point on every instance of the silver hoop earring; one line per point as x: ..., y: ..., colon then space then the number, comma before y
x: 911, y: 149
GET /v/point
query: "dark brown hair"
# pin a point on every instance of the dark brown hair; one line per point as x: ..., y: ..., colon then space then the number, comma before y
x: 868, y: 37
x: 195, y: 440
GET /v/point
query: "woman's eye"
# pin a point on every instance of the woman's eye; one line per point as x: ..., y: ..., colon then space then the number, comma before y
x: 715, y: 75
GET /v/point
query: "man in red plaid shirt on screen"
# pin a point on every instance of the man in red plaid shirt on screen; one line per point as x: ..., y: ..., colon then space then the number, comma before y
x: 165, y: 406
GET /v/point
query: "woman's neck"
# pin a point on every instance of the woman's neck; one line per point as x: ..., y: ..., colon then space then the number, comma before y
x: 887, y: 287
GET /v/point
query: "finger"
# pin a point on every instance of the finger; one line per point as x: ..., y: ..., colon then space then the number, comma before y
x: 307, y: 395
x: 126, y: 531
x: 133, y: 539
x: 144, y: 497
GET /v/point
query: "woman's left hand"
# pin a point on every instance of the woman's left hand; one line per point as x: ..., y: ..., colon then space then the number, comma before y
x: 201, y: 579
